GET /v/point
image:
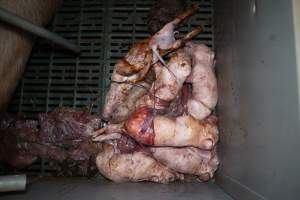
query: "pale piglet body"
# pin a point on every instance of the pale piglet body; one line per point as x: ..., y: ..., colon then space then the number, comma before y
x: 168, y: 83
x: 136, y: 166
x: 137, y: 62
x: 170, y: 80
x: 205, y: 92
x: 188, y: 160
x: 180, y: 131
x: 184, y: 131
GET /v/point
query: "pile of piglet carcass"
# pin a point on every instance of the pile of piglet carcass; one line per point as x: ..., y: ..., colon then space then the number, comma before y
x: 158, y: 112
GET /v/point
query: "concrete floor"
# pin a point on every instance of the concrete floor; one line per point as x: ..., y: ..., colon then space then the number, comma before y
x: 86, y: 189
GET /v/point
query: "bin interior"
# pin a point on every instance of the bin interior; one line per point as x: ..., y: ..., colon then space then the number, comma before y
x: 257, y: 79
x: 105, y: 31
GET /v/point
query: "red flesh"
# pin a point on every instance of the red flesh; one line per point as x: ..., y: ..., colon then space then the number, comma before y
x: 140, y: 126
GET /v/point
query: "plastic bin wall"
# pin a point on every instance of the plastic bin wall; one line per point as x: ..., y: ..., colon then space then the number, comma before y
x: 259, y: 99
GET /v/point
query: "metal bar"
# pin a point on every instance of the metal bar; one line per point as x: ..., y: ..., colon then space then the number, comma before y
x: 22, y: 23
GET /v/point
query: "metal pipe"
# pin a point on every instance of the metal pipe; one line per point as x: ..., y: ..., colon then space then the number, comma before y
x: 11, y: 183
x: 25, y: 25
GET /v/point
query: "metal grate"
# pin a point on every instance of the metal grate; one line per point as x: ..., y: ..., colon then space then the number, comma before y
x: 104, y: 30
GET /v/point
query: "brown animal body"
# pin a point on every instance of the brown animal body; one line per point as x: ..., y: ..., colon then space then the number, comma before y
x: 16, y: 45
